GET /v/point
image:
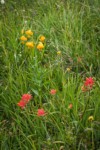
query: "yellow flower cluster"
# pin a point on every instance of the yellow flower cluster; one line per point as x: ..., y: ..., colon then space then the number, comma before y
x: 30, y: 44
x: 40, y: 45
x: 24, y: 38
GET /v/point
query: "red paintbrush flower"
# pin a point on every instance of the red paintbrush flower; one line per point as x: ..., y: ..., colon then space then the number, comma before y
x: 24, y: 100
x: 26, y: 97
x: 53, y: 91
x: 41, y: 112
x: 21, y: 104
x: 89, y: 82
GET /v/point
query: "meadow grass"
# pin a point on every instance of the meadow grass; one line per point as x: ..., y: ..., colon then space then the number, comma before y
x: 70, y: 54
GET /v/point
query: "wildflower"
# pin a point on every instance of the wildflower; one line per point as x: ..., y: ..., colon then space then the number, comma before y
x: 21, y: 104
x: 24, y: 100
x: 53, y: 91
x: 26, y: 97
x: 2, y: 1
x: 42, y: 38
x: 29, y: 33
x: 41, y: 112
x: 58, y: 52
x: 23, y: 38
x: 91, y: 118
x: 89, y: 82
x: 29, y: 44
x: 68, y: 69
x: 70, y: 106
x: 40, y: 46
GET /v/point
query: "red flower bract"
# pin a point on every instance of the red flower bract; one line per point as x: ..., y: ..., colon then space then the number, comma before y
x: 27, y: 97
x: 53, y: 91
x: 21, y: 104
x: 41, y: 112
x: 24, y: 100
x: 89, y: 82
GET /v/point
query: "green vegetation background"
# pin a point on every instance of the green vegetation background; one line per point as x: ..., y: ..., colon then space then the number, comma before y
x: 72, y: 27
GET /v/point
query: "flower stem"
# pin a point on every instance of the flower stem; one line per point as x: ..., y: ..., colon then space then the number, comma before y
x: 92, y: 136
x: 85, y: 106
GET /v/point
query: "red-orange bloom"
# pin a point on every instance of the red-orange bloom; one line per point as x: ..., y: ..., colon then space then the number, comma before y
x: 53, y: 91
x: 24, y: 100
x: 41, y: 112
x: 21, y: 104
x: 70, y: 106
x: 27, y: 97
x: 89, y: 82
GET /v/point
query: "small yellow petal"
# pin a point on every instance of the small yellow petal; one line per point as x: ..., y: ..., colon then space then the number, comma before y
x: 68, y: 69
x: 58, y: 52
x: 91, y: 118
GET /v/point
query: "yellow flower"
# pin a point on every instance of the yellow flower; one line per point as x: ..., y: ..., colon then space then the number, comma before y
x: 29, y: 33
x: 30, y: 44
x: 68, y: 69
x: 40, y: 46
x: 42, y: 38
x: 91, y: 118
x: 58, y: 52
x: 23, y: 38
